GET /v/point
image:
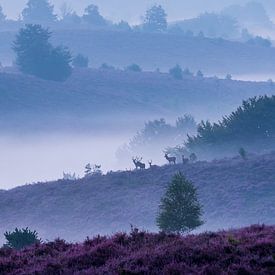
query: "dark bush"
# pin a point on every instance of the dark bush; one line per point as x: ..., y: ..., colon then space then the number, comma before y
x: 133, y: 68
x: 176, y: 72
x: 80, y: 61
x: 21, y: 238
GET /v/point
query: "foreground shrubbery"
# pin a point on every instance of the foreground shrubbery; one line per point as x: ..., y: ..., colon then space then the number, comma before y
x: 246, y: 251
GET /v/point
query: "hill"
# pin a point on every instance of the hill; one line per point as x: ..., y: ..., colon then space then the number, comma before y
x: 113, y: 95
x: 233, y: 193
x: 162, y: 51
x: 245, y: 251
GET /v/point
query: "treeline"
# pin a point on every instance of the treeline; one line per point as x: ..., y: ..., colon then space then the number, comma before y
x: 211, y: 25
x: 251, y: 127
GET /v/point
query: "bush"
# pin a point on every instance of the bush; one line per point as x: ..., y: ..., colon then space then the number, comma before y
x: 36, y: 56
x: 180, y: 211
x: 134, y: 68
x: 21, y: 238
x: 80, y: 61
x: 176, y: 72
x: 243, y: 153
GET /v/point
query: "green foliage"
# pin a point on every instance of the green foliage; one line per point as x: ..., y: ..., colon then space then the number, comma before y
x: 21, y: 238
x: 39, y: 11
x: 134, y: 68
x: 155, y: 19
x: 36, y: 56
x: 80, y: 61
x: 176, y: 72
x: 251, y: 124
x: 180, y: 210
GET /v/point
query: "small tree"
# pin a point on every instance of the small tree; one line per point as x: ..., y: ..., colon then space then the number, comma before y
x: 228, y: 77
x: 176, y: 72
x: 134, y: 68
x: 21, y: 238
x: 243, y: 153
x: 81, y: 61
x: 36, y: 56
x: 180, y: 210
x: 200, y: 74
x: 193, y: 157
x: 39, y: 11
x: 155, y: 19
x: 93, y: 17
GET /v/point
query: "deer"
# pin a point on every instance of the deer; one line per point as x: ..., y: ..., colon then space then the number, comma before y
x: 137, y: 162
x: 170, y: 159
x: 152, y: 165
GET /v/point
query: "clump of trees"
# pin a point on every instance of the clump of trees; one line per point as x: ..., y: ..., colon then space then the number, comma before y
x: 133, y: 68
x: 35, y: 55
x: 251, y: 124
x: 21, y: 238
x: 80, y: 61
x: 177, y: 72
x: 180, y: 210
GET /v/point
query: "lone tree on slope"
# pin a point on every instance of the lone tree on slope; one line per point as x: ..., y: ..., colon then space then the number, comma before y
x: 180, y: 210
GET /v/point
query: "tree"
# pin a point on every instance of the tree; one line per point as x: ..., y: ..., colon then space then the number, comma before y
x: 80, y: 61
x: 134, y: 68
x: 200, y: 74
x: 36, y: 56
x: 93, y: 17
x: 180, y: 210
x: 243, y: 153
x: 155, y: 19
x: 21, y: 238
x: 176, y: 72
x: 39, y: 11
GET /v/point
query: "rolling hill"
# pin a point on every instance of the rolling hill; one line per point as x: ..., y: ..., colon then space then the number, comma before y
x: 233, y: 193
x: 117, y: 98
x: 152, y: 50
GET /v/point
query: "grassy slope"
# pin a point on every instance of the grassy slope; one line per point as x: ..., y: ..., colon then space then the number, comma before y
x: 91, y: 94
x: 159, y: 50
x: 234, y: 193
x: 246, y: 251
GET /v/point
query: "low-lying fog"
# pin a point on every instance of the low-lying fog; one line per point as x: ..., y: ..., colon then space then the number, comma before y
x: 45, y: 157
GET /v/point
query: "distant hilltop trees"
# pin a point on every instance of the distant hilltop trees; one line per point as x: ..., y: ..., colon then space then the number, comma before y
x: 228, y: 24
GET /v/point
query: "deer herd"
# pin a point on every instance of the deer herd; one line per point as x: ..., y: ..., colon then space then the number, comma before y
x: 171, y: 160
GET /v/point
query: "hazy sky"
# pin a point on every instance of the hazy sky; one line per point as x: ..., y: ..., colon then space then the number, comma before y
x: 132, y: 10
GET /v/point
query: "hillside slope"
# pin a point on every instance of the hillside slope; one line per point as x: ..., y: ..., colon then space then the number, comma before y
x: 233, y: 192
x: 162, y: 51
x: 87, y: 95
x: 246, y: 251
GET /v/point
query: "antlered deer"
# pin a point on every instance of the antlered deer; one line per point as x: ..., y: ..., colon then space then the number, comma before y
x: 137, y: 162
x: 170, y: 159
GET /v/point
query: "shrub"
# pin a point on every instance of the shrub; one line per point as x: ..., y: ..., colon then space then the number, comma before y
x: 80, y: 61
x: 134, y: 68
x: 21, y: 238
x: 243, y: 153
x: 180, y: 210
x: 36, y: 56
x: 176, y: 72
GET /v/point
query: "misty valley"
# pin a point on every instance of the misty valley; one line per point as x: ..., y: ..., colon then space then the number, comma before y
x: 137, y: 138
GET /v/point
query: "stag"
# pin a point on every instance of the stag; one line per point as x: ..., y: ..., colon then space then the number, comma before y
x: 137, y: 162
x: 170, y: 159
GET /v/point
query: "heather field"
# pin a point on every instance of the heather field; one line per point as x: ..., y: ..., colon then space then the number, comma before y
x: 246, y: 251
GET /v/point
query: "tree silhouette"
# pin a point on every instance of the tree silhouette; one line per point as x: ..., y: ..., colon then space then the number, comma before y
x: 155, y: 19
x: 93, y: 17
x: 39, y: 11
x: 180, y: 210
x: 36, y: 56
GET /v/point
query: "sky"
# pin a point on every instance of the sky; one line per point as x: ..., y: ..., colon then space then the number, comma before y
x: 132, y: 10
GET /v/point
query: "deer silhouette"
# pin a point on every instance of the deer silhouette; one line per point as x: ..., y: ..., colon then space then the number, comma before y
x: 152, y: 165
x: 137, y: 162
x: 170, y: 159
